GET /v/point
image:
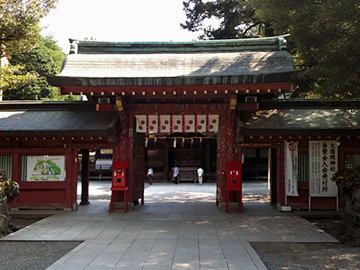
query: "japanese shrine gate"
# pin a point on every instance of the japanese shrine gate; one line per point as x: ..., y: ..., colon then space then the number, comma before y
x: 147, y: 101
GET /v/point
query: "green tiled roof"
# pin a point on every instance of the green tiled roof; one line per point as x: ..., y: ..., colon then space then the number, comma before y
x: 305, y: 120
x: 56, y: 121
x: 242, y: 61
x: 276, y: 43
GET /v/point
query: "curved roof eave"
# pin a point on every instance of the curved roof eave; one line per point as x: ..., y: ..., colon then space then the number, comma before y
x: 175, y: 69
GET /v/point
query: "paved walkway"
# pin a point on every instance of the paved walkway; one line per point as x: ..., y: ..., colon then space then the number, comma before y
x: 179, y: 227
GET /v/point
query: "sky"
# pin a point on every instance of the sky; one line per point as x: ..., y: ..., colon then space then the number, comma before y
x: 117, y: 20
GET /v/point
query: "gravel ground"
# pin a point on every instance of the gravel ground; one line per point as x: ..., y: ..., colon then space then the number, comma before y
x: 308, y: 256
x: 32, y: 255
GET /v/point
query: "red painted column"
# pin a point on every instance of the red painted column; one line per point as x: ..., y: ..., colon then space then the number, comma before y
x: 124, y: 152
x: 130, y: 171
x: 85, y: 162
x: 280, y: 175
x: 226, y: 152
x: 123, y: 138
x: 16, y: 173
x: 74, y: 178
x: 16, y: 169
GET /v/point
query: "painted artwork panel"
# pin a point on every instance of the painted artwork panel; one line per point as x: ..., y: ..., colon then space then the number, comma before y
x: 45, y: 168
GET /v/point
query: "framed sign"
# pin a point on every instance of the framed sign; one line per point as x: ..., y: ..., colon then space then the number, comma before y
x: 45, y: 168
x: 323, y: 158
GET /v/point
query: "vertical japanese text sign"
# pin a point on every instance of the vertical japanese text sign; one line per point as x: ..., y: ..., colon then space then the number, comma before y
x: 323, y: 158
x: 291, y: 169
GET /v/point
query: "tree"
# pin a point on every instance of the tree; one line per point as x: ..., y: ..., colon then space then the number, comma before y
x: 325, y: 35
x: 348, y: 182
x: 8, y: 191
x: 19, y: 23
x: 19, y: 32
x: 237, y: 19
x: 47, y: 58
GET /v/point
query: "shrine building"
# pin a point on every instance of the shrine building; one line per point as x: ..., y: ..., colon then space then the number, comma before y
x: 210, y: 104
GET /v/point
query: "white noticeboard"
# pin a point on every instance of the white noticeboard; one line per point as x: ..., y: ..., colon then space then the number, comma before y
x: 323, y: 158
x: 45, y: 168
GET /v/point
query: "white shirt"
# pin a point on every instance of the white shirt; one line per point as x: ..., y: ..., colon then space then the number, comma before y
x: 200, y: 172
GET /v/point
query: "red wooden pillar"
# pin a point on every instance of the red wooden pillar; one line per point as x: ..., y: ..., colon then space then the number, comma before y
x: 123, y: 146
x: 226, y: 152
x: 166, y: 160
x: 123, y: 153
x: 131, y: 157
x: 280, y: 175
x: 85, y: 177
x: 74, y: 178
x: 16, y: 169
x: 16, y: 172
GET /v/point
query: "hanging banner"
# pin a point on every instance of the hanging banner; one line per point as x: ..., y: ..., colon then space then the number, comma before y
x: 141, y: 123
x: 189, y: 123
x: 177, y: 122
x: 165, y: 123
x: 213, y: 123
x: 323, y: 158
x: 291, y: 168
x: 45, y: 168
x: 201, y: 123
x: 153, y: 124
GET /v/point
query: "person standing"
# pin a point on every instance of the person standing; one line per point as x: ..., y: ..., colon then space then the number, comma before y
x: 200, y: 173
x: 150, y: 175
x: 176, y: 175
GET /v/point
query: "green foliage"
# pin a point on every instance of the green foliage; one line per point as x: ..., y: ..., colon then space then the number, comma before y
x: 45, y: 59
x: 325, y: 35
x: 349, y: 178
x: 349, y: 182
x: 20, y: 32
x: 68, y: 97
x: 19, y: 23
x: 8, y: 189
x: 13, y: 77
x: 237, y: 19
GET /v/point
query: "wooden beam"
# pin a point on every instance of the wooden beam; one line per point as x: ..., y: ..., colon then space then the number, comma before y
x: 227, y: 89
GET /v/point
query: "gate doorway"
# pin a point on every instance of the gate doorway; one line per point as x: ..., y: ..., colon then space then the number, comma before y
x: 188, y: 152
x: 93, y: 165
x: 259, y: 172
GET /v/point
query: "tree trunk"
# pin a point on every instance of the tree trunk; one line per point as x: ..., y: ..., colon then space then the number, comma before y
x: 4, y: 217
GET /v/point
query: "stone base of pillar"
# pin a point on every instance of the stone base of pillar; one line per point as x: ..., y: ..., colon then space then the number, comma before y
x: 85, y: 203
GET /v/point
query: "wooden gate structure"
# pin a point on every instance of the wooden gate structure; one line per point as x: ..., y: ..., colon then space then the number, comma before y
x: 171, y: 79
x: 227, y: 94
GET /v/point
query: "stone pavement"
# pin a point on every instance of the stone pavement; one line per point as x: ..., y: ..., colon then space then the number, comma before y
x: 179, y: 227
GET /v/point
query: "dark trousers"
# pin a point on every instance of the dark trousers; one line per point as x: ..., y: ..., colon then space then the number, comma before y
x: 176, y: 179
x: 150, y: 179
